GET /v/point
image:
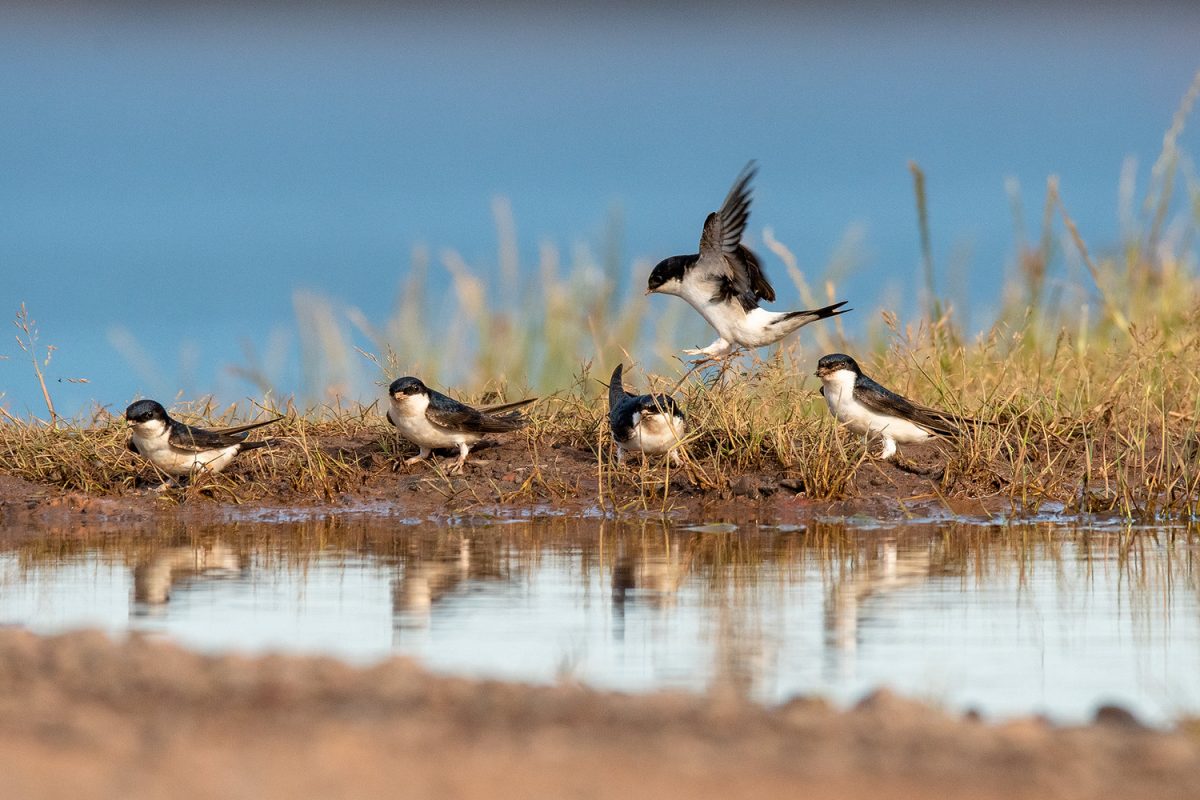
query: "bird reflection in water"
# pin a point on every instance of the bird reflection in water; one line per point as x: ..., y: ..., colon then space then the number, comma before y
x: 649, y: 569
x: 165, y: 571
x: 436, y: 570
x: 882, y: 570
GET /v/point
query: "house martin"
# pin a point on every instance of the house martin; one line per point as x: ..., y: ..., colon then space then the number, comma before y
x: 725, y: 282
x: 433, y: 421
x: 180, y: 450
x: 651, y: 423
x: 873, y: 411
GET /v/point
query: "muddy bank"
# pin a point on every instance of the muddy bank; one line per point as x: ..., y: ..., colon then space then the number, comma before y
x: 83, y: 716
x: 502, y: 479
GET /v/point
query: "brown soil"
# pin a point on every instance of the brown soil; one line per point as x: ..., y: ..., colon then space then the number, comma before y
x: 500, y: 479
x: 82, y: 716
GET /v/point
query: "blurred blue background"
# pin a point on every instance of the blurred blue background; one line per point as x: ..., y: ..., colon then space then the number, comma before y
x: 170, y: 174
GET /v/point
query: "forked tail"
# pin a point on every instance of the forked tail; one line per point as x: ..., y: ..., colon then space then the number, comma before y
x: 261, y: 443
x: 798, y: 319
x: 616, y: 389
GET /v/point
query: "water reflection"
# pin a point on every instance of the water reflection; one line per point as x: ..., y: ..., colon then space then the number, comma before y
x: 1009, y: 619
x: 450, y: 563
x: 881, y: 568
x: 156, y: 576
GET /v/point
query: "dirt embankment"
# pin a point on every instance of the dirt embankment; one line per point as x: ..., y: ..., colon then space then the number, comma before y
x: 501, y: 479
x: 82, y: 716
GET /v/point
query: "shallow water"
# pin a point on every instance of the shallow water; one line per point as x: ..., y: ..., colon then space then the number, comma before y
x: 1005, y: 619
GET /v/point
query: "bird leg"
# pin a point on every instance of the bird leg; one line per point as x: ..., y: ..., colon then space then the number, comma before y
x: 463, y: 449
x: 714, y: 352
x: 421, y: 456
x: 720, y: 355
x: 889, y: 449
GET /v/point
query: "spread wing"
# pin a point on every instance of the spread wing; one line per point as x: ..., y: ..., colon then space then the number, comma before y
x: 197, y: 440
x: 730, y: 265
x: 884, y: 401
x: 723, y: 229
x: 448, y: 413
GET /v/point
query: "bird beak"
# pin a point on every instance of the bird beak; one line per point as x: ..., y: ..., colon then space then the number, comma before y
x: 649, y: 291
x: 817, y: 373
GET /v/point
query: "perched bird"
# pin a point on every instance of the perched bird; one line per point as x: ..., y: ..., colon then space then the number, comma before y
x: 181, y: 450
x: 651, y: 423
x: 871, y: 410
x: 725, y: 281
x: 431, y: 420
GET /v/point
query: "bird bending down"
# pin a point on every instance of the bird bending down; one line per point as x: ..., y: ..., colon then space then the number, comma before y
x: 650, y: 423
x: 432, y: 421
x: 725, y: 281
x: 873, y: 411
x: 181, y: 450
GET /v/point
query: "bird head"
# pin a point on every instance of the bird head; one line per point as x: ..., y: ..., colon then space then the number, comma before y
x: 836, y: 362
x: 402, y: 388
x: 144, y: 412
x: 667, y: 275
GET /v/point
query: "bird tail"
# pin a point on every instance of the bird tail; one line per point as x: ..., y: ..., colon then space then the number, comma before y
x: 261, y: 443
x: 616, y: 389
x: 957, y: 426
x: 500, y: 408
x: 245, y: 428
x: 798, y: 319
x: 970, y: 422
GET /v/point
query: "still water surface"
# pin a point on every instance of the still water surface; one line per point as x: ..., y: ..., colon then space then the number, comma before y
x: 1005, y: 619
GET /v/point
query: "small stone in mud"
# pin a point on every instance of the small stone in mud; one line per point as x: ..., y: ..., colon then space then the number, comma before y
x: 745, y: 486
x: 1116, y: 715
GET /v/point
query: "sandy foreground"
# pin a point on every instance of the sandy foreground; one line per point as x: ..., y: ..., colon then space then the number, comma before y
x: 83, y: 716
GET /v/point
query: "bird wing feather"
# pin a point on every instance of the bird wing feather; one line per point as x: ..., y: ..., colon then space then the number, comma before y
x: 197, y: 440
x: 446, y: 412
x: 500, y: 408
x: 731, y: 266
x: 243, y: 428
x: 884, y: 401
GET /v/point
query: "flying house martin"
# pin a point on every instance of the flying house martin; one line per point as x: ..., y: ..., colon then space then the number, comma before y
x: 725, y: 282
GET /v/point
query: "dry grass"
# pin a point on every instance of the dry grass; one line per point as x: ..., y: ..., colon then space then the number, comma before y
x: 1090, y: 370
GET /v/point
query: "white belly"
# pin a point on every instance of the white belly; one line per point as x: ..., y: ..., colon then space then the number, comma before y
x: 865, y: 422
x: 173, y: 461
x: 734, y: 324
x: 656, y: 433
x: 420, y: 431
